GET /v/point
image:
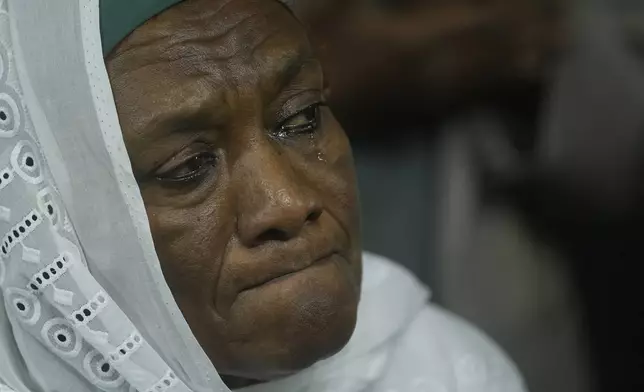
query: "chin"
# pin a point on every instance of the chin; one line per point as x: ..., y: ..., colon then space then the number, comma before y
x: 297, y: 322
x: 299, y: 354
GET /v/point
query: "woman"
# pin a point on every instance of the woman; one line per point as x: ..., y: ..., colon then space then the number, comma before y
x: 228, y: 239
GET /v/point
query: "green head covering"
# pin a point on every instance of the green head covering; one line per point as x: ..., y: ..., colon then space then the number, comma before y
x: 120, y: 17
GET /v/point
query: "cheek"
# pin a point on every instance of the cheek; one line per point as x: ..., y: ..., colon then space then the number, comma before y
x: 339, y: 182
x: 331, y: 172
x: 190, y: 244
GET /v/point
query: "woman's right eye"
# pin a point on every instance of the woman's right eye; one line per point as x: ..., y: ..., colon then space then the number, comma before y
x: 191, y: 169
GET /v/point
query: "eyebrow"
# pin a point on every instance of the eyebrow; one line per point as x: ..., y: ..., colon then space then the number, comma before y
x: 290, y: 66
x: 281, y: 72
x: 184, y: 117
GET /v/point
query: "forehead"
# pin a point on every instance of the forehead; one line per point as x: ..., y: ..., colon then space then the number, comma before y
x: 201, y: 46
x: 209, y: 29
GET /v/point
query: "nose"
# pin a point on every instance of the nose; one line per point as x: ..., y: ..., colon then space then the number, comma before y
x: 275, y: 203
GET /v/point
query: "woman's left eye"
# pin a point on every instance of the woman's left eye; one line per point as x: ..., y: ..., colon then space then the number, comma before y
x: 303, y: 122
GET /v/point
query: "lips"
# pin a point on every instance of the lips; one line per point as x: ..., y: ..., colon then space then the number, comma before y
x: 248, y: 268
x: 279, y: 275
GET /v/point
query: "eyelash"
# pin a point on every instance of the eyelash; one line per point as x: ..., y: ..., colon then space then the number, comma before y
x: 203, y: 160
x: 285, y: 131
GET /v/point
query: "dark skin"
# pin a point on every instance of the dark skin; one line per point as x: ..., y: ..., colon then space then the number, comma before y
x: 248, y: 182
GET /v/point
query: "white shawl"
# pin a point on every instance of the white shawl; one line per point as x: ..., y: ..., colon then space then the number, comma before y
x: 85, y: 305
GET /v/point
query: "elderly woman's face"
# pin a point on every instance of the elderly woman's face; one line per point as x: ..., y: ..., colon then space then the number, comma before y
x: 247, y: 179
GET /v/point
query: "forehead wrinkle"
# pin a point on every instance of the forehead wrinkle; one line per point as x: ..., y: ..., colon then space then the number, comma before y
x: 219, y: 49
x: 202, y: 105
x: 190, y: 41
x: 201, y: 41
x: 186, y: 22
x: 194, y: 67
x: 195, y: 7
x: 254, y: 48
x: 279, y: 65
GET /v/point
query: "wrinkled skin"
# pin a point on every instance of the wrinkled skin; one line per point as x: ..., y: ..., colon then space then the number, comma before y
x: 247, y: 179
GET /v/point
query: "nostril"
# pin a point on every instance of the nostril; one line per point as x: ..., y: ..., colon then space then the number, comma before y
x: 314, y: 215
x: 272, y: 235
x: 284, y: 232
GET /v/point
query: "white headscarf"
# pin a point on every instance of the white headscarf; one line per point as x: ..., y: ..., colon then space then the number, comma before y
x: 86, y: 301
x: 86, y: 306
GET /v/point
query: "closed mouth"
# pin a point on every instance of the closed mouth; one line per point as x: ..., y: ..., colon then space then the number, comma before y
x: 284, y: 276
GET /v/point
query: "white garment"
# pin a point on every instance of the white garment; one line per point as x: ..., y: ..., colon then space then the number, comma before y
x: 403, y: 344
x: 85, y: 305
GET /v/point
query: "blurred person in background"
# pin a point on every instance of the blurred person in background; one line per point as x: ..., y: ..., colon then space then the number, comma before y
x: 498, y: 147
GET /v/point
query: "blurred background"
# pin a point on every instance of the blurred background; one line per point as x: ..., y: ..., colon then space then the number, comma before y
x: 500, y: 150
